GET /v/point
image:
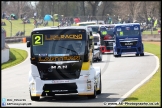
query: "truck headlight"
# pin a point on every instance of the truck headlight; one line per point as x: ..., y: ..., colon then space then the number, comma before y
x: 33, y: 86
x: 89, y: 85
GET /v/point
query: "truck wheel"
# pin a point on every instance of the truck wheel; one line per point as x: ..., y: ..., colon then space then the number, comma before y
x: 142, y: 54
x: 99, y: 91
x: 43, y: 94
x: 94, y: 60
x: 115, y: 55
x: 94, y: 95
x: 100, y: 57
x: 137, y: 54
x: 34, y: 98
x: 50, y: 94
x: 119, y: 55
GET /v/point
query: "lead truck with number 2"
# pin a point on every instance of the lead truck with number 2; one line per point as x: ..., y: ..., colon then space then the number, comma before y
x: 58, y: 67
x: 128, y: 39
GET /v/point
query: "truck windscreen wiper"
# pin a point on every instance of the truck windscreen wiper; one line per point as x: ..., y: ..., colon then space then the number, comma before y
x: 69, y: 49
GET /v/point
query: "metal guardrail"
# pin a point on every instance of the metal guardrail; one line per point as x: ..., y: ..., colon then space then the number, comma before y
x: 17, y: 39
x: 155, y: 37
x: 3, y: 36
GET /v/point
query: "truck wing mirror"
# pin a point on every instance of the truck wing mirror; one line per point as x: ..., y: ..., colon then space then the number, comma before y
x: 28, y: 43
x: 91, y: 33
x: 86, y: 55
x: 141, y: 30
x: 90, y: 42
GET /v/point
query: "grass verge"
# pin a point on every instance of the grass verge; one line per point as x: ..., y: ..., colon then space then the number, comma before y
x: 150, y: 92
x: 16, y: 56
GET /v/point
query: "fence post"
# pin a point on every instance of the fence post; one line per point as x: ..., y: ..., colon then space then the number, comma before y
x: 11, y: 27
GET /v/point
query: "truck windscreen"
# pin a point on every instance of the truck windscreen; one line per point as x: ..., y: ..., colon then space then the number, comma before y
x: 127, y: 31
x: 95, y: 29
x: 58, y: 42
x: 96, y: 39
x: 110, y: 33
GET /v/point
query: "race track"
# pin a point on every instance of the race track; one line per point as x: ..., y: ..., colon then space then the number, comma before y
x: 120, y: 76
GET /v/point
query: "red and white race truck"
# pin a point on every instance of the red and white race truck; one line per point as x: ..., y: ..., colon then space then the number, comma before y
x: 106, y: 36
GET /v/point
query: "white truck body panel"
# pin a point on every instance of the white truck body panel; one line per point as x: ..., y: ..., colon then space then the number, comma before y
x: 93, y: 74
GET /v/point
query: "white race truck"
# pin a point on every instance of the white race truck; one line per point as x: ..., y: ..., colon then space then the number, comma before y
x: 97, y: 54
x: 58, y: 67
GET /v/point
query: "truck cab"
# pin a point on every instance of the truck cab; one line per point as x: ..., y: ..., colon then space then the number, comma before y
x: 108, y: 39
x: 61, y: 62
x: 97, y: 54
x: 102, y: 31
x: 128, y: 40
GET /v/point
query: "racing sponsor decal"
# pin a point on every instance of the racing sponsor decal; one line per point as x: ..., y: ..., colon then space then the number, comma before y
x: 59, y: 37
x: 59, y: 90
x: 127, y: 28
x: 118, y: 29
x: 60, y: 81
x: 136, y: 28
x: 58, y: 54
x: 59, y: 58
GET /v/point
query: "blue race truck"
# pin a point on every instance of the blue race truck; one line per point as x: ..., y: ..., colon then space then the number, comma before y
x: 128, y: 40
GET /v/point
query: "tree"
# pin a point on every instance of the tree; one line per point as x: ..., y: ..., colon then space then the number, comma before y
x: 83, y: 7
x: 94, y: 6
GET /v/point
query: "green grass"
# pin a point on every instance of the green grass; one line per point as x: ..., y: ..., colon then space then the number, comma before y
x: 17, y: 25
x: 149, y: 32
x: 16, y: 56
x: 150, y: 91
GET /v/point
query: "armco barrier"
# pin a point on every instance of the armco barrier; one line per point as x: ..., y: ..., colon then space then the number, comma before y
x: 5, y: 54
x: 3, y: 36
x: 17, y: 39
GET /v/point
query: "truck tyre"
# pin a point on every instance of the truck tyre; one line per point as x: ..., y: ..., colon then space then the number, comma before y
x: 137, y: 54
x: 50, y: 94
x: 142, y: 54
x: 94, y: 60
x: 115, y: 55
x: 100, y: 57
x: 43, y: 94
x: 119, y: 55
x: 94, y: 95
x: 34, y: 98
x: 99, y: 91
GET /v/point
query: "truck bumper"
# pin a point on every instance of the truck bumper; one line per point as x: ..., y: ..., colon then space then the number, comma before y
x: 77, y: 86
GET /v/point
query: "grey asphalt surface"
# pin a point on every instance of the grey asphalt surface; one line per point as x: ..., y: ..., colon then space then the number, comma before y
x: 119, y: 75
